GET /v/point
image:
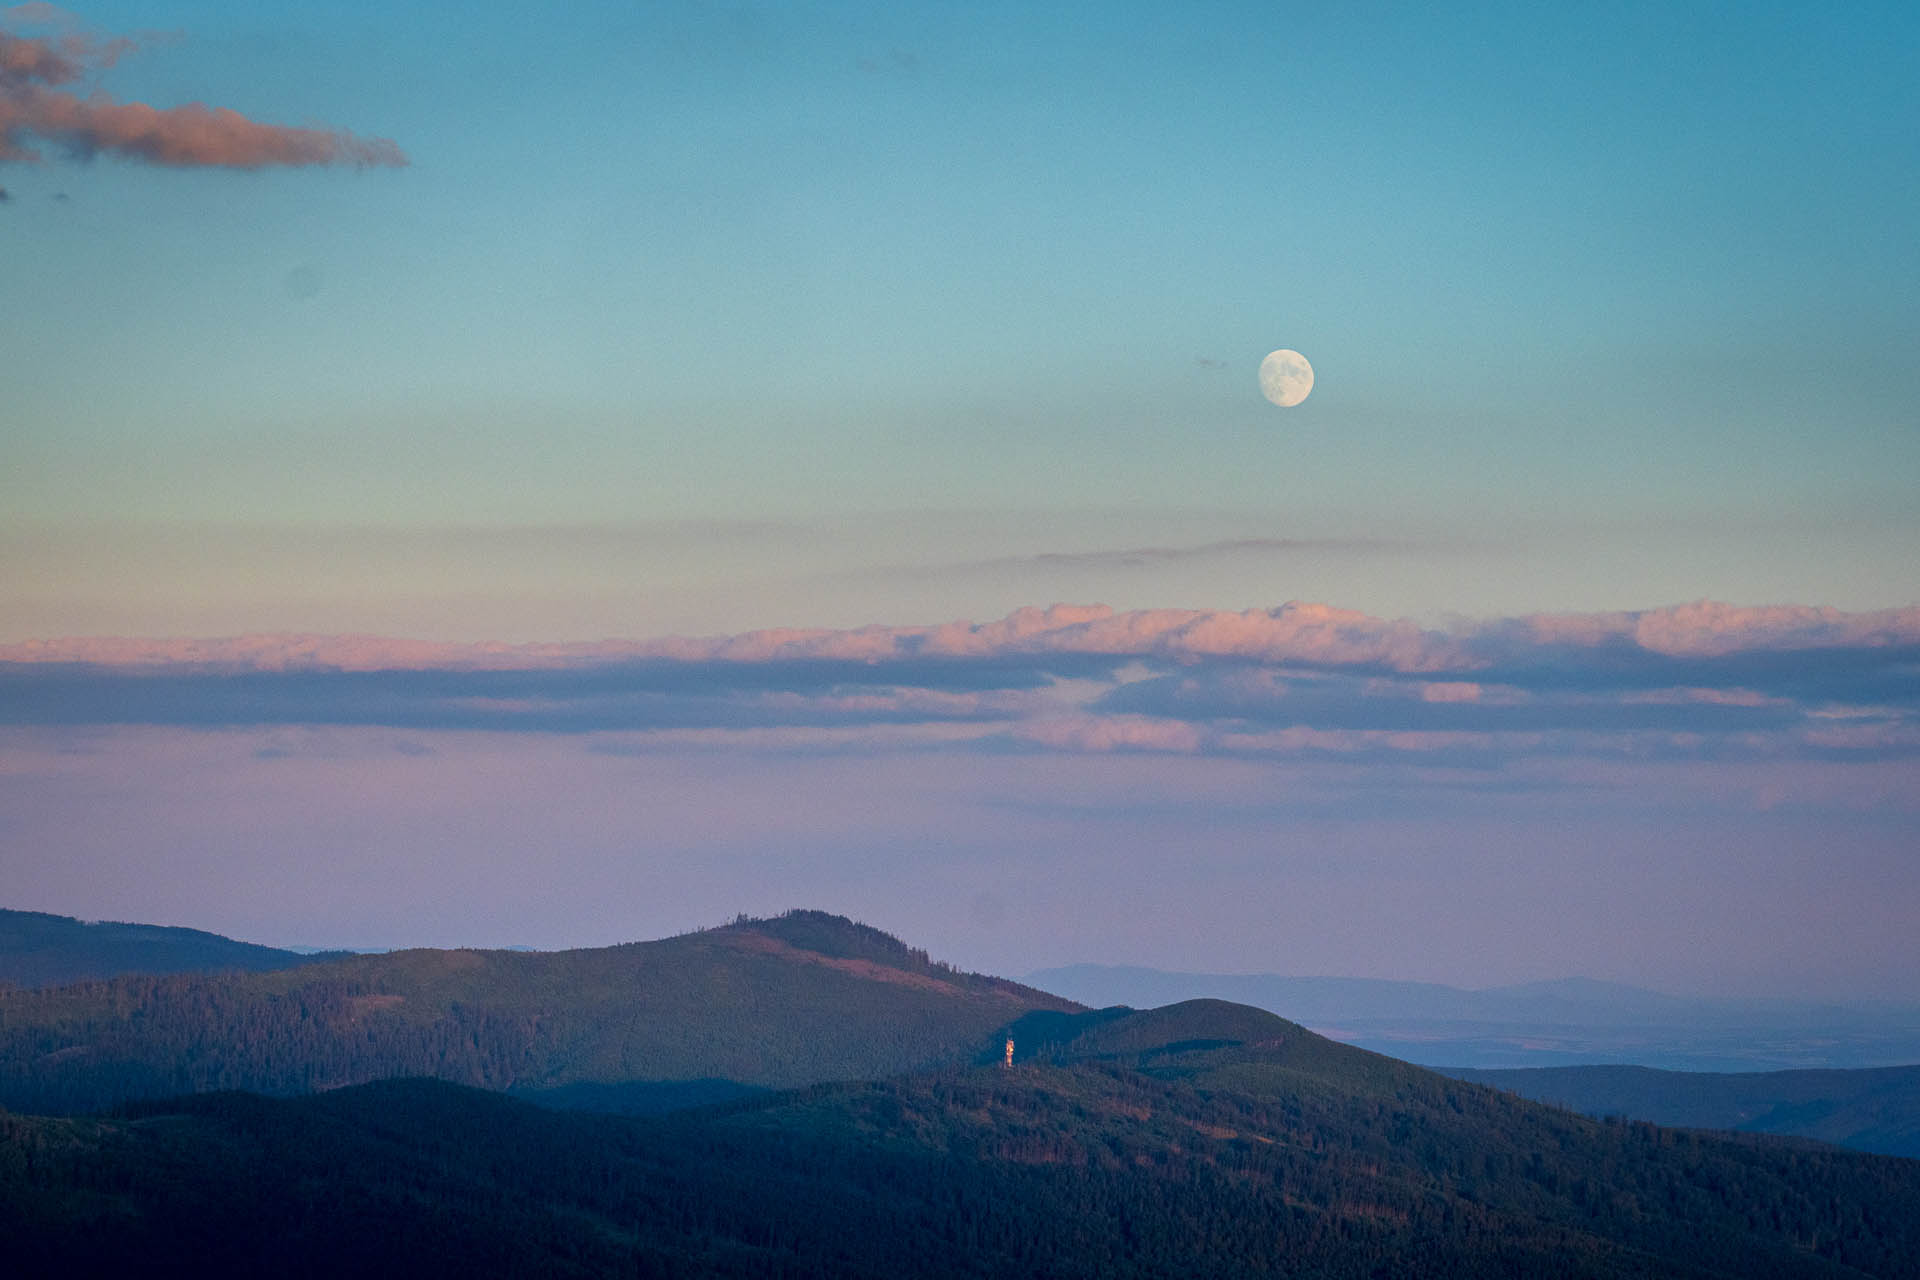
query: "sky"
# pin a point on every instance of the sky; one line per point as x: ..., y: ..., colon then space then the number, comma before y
x: 485, y: 476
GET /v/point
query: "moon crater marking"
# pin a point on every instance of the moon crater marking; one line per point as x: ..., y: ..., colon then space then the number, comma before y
x: 1285, y: 377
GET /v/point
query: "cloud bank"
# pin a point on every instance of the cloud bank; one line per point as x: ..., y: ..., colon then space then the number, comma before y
x: 1699, y: 681
x: 41, y: 98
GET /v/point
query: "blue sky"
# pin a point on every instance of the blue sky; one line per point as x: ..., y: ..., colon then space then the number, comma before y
x: 698, y: 319
x: 1623, y: 301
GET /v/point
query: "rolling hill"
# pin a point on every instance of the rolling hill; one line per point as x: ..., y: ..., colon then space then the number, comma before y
x: 772, y: 1003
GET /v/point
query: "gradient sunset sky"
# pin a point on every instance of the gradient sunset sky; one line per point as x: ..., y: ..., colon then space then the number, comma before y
x: 339, y: 435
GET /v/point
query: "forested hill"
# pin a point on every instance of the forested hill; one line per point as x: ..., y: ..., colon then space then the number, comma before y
x: 1204, y: 1140
x: 41, y: 950
x: 775, y: 1003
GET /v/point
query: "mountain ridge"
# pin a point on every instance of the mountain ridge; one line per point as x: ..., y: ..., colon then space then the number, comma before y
x: 769, y: 1003
x: 839, y: 1105
x: 40, y: 949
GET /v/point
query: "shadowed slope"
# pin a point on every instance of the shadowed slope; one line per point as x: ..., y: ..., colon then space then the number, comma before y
x: 1080, y: 1169
x: 1216, y: 1040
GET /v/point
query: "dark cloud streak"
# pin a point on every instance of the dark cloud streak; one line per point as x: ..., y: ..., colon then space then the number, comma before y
x: 1145, y: 557
x: 620, y: 696
x: 1344, y: 704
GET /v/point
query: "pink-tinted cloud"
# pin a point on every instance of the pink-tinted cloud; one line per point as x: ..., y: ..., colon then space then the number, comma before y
x: 1715, y: 697
x: 1450, y: 691
x: 1702, y: 682
x: 1298, y: 632
x: 1708, y: 628
x: 1300, y: 740
x: 42, y: 101
x: 1110, y: 733
x: 1293, y: 633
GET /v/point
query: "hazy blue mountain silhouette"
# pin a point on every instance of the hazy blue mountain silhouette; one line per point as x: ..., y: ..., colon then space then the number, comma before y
x: 1871, y: 1109
x: 1570, y: 1021
x: 42, y: 950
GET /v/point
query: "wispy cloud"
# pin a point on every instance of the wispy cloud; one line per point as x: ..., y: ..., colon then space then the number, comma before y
x: 47, y: 96
x: 1149, y: 557
x: 1700, y: 681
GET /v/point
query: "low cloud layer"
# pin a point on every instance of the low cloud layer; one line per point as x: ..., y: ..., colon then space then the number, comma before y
x: 1683, y: 795
x: 1698, y: 681
x: 46, y: 99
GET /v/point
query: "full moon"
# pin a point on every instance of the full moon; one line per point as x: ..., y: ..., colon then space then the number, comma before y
x: 1285, y: 377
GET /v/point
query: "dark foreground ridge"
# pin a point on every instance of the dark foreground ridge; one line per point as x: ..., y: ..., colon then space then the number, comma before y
x: 1113, y: 1153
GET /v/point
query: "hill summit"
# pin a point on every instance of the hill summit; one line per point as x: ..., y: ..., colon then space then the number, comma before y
x: 837, y: 937
x: 768, y: 1003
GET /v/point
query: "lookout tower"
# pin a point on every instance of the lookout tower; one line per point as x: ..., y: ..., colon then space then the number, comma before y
x: 1008, y: 1060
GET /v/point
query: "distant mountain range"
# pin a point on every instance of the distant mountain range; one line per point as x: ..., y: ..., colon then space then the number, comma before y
x: 1869, y: 1110
x: 41, y: 950
x: 1574, y: 1021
